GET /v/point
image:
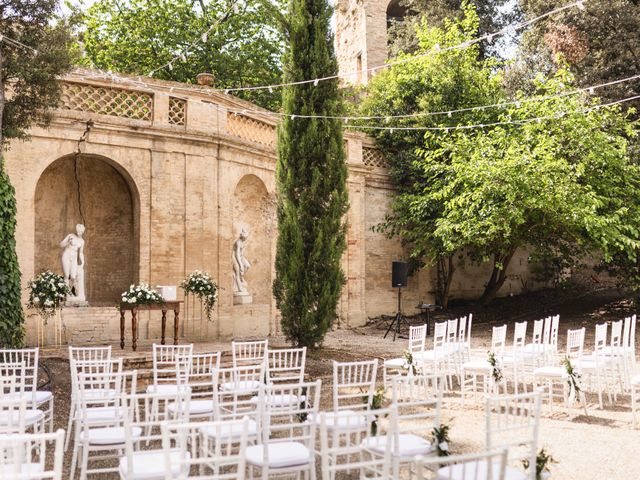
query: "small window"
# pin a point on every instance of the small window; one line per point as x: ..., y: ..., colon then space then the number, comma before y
x: 359, y: 68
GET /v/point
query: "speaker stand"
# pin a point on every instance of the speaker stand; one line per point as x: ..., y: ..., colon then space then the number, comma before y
x: 398, y: 319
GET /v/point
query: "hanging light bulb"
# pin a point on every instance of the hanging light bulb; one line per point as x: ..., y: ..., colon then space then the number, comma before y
x: 170, y: 66
x: 205, y: 37
x: 315, y: 82
x: 449, y: 114
x: 183, y: 57
x: 270, y: 89
x: 580, y: 5
x: 592, y: 91
x: 490, y: 39
x: 436, y: 47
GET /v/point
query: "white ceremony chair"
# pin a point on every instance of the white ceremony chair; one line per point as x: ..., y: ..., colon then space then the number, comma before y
x: 35, y: 398
x: 204, y: 366
x: 287, y: 441
x: 31, y: 456
x: 286, y: 365
x: 634, y: 385
x: 249, y: 353
x: 615, y: 352
x: 436, y: 361
x: 234, y: 405
x: 212, y: 457
x: 598, y: 365
x: 553, y: 379
x: 417, y: 402
x: 17, y: 415
x: 474, y: 466
x: 515, y: 360
x: 150, y: 462
x: 464, y: 337
x: 171, y: 367
x: 480, y: 372
x: 244, y: 378
x: 101, y: 419
x: 354, y: 385
x: 78, y: 356
x: 417, y: 337
x: 340, y: 455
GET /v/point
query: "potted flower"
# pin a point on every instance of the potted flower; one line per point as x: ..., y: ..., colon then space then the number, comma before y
x: 543, y: 461
x: 141, y: 294
x: 47, y: 293
x: 203, y: 287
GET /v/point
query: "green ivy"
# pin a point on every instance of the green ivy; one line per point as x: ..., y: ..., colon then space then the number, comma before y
x: 11, y: 315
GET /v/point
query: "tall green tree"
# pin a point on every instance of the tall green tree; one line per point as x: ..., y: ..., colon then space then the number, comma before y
x: 311, y: 176
x: 439, y: 82
x: 28, y: 89
x: 405, y: 16
x: 138, y: 36
x: 600, y: 42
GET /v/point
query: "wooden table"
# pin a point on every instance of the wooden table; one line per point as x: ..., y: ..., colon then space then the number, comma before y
x: 163, y: 307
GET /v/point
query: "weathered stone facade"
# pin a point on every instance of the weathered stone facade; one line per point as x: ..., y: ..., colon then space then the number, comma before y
x: 361, y: 37
x: 166, y: 179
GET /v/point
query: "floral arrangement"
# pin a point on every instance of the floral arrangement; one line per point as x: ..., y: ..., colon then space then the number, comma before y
x: 440, y: 439
x: 543, y: 460
x: 200, y: 284
x: 47, y: 291
x: 573, y: 379
x: 141, y: 294
x: 496, y: 370
x: 409, y: 363
x: 376, y: 404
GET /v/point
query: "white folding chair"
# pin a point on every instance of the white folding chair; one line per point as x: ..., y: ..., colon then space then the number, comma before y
x: 31, y: 456
x: 151, y: 462
x: 101, y: 417
x: 17, y: 414
x: 204, y: 366
x: 78, y: 356
x: 598, y: 366
x: 171, y: 367
x: 490, y: 464
x: 479, y: 373
x: 417, y: 402
x: 286, y: 365
x: 435, y: 361
x: 417, y: 337
x: 515, y: 360
x: 35, y: 398
x: 554, y: 380
x: 287, y: 441
x: 214, y: 456
x: 249, y: 353
x: 340, y: 455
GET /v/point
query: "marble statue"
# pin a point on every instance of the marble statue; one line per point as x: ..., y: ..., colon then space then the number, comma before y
x: 240, y: 267
x: 73, y: 264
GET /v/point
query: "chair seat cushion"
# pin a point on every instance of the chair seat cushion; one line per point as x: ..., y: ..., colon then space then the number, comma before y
x: 30, y: 417
x: 281, y: 400
x: 40, y: 397
x: 279, y: 454
x: 409, y: 445
x: 231, y: 430
x: 346, y: 419
x: 109, y: 435
x: 550, y: 371
x: 25, y: 470
x: 395, y: 362
x: 431, y: 355
x: 477, y: 471
x: 477, y: 365
x: 535, y: 348
x: 148, y: 465
x: 241, y: 386
x: 168, y: 388
x: 196, y: 407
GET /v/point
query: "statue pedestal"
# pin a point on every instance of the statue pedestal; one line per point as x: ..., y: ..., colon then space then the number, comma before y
x: 72, y: 302
x: 242, y: 298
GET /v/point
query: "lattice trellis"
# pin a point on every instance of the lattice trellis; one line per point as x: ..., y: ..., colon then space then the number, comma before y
x: 251, y: 129
x: 107, y: 101
x: 177, y: 111
x: 373, y: 157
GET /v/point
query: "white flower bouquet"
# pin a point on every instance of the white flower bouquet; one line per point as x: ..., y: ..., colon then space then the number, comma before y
x: 47, y: 292
x: 200, y: 284
x: 141, y: 294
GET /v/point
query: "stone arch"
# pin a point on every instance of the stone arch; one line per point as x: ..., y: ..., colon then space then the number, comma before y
x: 253, y: 208
x: 110, y: 206
x: 395, y: 12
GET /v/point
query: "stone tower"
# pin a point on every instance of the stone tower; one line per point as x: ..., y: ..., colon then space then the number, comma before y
x: 361, y: 36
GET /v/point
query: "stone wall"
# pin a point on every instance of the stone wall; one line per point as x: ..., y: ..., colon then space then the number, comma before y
x: 165, y: 193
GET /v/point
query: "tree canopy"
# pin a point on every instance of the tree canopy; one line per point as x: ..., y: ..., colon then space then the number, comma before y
x: 551, y: 173
x: 138, y: 36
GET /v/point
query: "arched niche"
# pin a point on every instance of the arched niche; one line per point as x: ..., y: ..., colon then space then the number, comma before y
x: 395, y: 12
x: 253, y: 209
x: 110, y: 207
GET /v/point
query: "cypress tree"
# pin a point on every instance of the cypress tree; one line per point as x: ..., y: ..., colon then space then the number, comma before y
x: 311, y: 178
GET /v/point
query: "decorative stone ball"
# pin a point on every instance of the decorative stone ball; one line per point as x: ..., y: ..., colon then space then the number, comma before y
x: 205, y: 79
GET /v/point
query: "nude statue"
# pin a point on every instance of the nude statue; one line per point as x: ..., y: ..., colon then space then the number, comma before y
x: 240, y: 264
x: 73, y: 263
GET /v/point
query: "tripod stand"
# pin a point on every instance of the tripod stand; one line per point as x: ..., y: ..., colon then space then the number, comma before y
x: 399, y: 318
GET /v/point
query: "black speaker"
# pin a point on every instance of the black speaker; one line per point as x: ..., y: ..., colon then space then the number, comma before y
x: 399, y: 274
